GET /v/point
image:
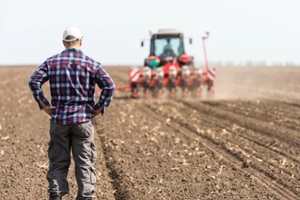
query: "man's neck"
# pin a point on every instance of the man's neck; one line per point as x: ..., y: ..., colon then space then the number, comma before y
x: 75, y: 48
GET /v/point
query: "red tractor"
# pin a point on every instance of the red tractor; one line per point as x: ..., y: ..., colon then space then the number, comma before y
x: 168, y: 70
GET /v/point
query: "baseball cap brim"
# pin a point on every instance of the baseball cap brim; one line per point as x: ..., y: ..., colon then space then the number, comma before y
x: 72, y: 40
x: 72, y: 31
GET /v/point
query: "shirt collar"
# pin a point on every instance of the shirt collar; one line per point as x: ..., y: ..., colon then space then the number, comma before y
x: 73, y: 50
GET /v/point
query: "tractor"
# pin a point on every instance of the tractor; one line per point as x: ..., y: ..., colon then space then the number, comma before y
x: 168, y: 71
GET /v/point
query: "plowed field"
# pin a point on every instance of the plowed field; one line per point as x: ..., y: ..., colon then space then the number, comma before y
x: 243, y: 144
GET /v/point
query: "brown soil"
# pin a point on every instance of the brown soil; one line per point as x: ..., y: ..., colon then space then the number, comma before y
x: 243, y: 144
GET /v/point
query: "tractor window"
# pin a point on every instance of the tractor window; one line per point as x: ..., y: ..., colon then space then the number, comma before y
x: 172, y: 46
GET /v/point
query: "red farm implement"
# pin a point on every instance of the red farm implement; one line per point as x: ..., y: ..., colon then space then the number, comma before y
x: 169, y: 71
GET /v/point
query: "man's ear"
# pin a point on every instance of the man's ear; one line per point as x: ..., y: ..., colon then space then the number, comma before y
x: 64, y: 43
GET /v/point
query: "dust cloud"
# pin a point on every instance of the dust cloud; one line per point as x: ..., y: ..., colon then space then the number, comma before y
x: 277, y: 83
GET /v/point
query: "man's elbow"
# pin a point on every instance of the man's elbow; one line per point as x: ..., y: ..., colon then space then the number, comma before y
x: 111, y: 85
x: 33, y: 84
x: 30, y: 84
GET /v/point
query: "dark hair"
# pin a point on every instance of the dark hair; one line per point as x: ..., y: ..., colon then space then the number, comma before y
x: 70, y: 37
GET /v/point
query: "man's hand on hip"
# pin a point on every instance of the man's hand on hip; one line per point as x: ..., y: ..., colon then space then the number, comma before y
x: 47, y: 109
x: 98, y: 111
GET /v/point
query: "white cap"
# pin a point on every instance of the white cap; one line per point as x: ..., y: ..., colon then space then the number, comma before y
x: 72, y: 31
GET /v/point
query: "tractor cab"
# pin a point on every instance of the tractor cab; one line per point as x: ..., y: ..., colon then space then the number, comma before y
x: 166, y: 45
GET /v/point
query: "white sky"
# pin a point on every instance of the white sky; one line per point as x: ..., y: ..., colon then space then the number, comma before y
x: 241, y: 30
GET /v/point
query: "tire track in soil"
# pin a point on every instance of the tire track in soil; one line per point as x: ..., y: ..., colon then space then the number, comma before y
x: 276, y: 108
x: 282, y: 168
x: 119, y: 192
x: 287, y: 155
x: 104, y: 188
x: 272, y: 107
x: 277, y: 113
x: 223, y: 126
x: 232, y: 153
x: 288, y: 136
x: 238, y: 119
x: 281, y: 190
x: 253, y: 139
x: 284, y: 153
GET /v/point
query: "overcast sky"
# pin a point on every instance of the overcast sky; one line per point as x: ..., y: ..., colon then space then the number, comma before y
x: 241, y: 30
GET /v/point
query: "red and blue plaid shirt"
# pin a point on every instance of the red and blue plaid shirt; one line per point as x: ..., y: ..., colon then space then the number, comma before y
x: 72, y: 77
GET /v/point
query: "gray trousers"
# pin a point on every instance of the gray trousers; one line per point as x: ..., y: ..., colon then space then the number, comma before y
x: 79, y: 138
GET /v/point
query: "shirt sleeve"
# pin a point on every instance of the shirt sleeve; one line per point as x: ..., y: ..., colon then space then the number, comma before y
x: 107, y: 86
x: 38, y: 78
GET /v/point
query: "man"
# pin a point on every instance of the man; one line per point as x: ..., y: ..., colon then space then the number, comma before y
x: 167, y: 50
x: 72, y: 77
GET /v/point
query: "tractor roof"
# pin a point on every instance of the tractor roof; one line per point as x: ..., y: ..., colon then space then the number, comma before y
x: 167, y: 32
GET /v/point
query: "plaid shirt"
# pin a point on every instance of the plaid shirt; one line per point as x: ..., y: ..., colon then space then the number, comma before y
x: 72, y: 77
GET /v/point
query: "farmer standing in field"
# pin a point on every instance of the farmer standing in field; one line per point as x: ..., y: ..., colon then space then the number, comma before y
x: 72, y: 77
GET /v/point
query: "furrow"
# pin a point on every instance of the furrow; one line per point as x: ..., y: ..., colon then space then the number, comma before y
x: 287, y: 136
x: 263, y: 177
